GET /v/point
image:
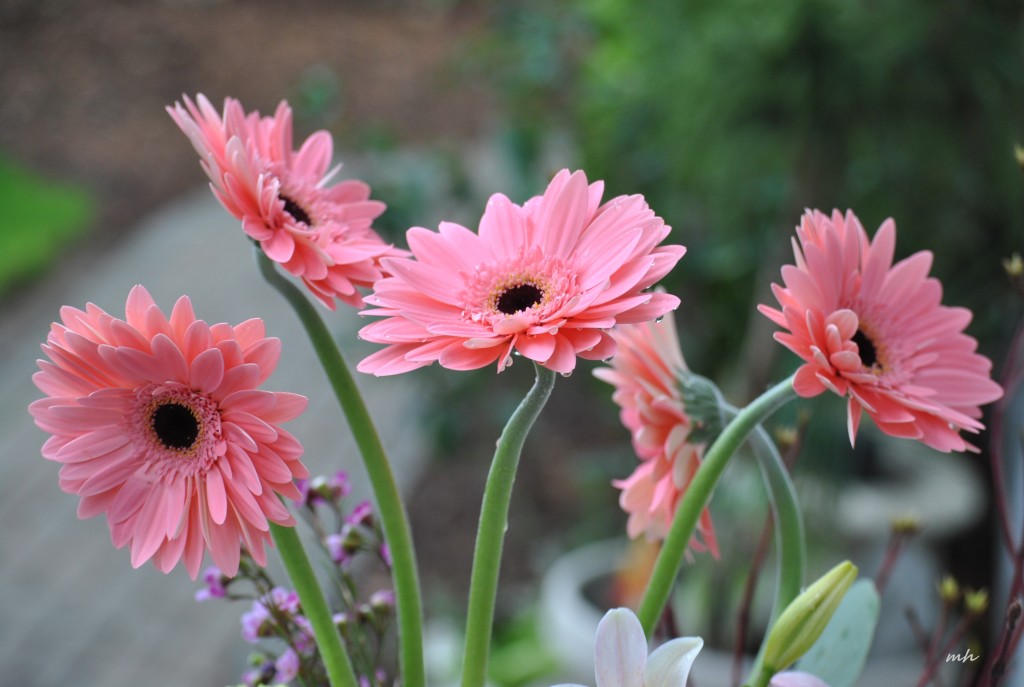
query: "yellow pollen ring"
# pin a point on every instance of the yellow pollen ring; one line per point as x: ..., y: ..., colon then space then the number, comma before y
x: 520, y: 279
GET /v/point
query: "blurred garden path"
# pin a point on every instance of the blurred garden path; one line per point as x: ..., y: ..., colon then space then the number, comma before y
x: 74, y: 612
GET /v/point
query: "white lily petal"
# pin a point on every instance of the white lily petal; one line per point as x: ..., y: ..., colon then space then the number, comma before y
x: 797, y: 679
x: 669, y: 665
x: 620, y: 652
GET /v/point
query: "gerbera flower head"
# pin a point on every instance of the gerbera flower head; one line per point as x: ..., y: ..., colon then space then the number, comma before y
x: 547, y: 279
x: 646, y: 374
x: 321, y: 234
x: 876, y: 333
x: 159, y: 424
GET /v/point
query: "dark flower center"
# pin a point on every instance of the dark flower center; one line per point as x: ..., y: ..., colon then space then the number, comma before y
x: 519, y: 297
x: 176, y: 426
x: 866, y: 349
x: 296, y: 211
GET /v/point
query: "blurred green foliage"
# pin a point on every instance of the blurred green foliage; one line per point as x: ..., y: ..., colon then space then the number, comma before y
x: 39, y: 218
x: 732, y: 117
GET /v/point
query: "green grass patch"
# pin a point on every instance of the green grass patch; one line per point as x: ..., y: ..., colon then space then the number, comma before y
x: 39, y: 217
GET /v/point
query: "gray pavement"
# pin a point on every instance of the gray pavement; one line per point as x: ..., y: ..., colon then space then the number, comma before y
x: 73, y: 612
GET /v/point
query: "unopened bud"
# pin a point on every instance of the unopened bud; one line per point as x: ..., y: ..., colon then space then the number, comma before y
x: 351, y: 539
x: 382, y: 600
x: 1014, y: 266
x: 975, y: 601
x: 905, y: 525
x: 362, y: 514
x: 786, y: 436
x: 949, y: 590
x: 701, y: 399
x: 1013, y: 613
x: 806, y: 617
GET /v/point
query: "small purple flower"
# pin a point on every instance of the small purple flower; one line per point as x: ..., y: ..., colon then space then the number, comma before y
x: 214, y: 588
x: 304, y: 640
x: 362, y: 514
x: 336, y: 548
x: 260, y: 675
x: 285, y: 599
x: 340, y: 485
x: 324, y: 489
x: 364, y: 681
x: 255, y: 623
x: 382, y: 598
x: 385, y: 554
x: 303, y: 486
x: 287, y: 666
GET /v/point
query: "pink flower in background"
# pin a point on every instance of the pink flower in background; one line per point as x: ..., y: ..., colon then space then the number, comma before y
x: 547, y: 279
x: 159, y: 424
x: 646, y: 373
x: 877, y: 333
x: 319, y: 233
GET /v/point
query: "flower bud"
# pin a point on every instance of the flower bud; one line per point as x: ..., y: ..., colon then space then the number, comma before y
x: 786, y: 437
x: 905, y: 525
x: 703, y: 405
x: 949, y: 590
x: 382, y: 600
x: 975, y: 601
x: 362, y: 514
x: 1013, y: 613
x: 351, y: 539
x: 1014, y: 266
x: 803, y: 621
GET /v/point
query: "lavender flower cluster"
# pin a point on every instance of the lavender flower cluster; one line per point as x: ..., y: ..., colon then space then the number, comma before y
x: 352, y: 544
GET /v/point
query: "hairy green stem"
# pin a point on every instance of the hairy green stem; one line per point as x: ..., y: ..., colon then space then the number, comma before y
x: 490, y: 536
x: 666, y: 567
x: 314, y: 606
x: 394, y: 520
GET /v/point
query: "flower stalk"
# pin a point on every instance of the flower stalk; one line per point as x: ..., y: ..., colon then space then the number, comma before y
x: 789, y: 526
x: 490, y: 537
x: 314, y: 605
x: 666, y: 567
x: 393, y: 517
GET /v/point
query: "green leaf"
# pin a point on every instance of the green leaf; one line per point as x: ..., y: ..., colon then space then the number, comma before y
x: 839, y: 655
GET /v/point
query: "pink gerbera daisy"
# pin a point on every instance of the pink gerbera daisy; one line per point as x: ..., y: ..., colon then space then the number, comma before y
x: 878, y: 334
x: 546, y: 279
x: 646, y: 373
x: 159, y: 423
x: 319, y: 233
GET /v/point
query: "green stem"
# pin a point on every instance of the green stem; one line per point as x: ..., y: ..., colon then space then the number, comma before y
x: 666, y: 567
x: 761, y: 678
x: 314, y: 606
x: 789, y: 529
x: 393, y: 517
x: 483, y: 585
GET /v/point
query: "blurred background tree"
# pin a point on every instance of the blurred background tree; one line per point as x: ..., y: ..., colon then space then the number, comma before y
x: 732, y: 117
